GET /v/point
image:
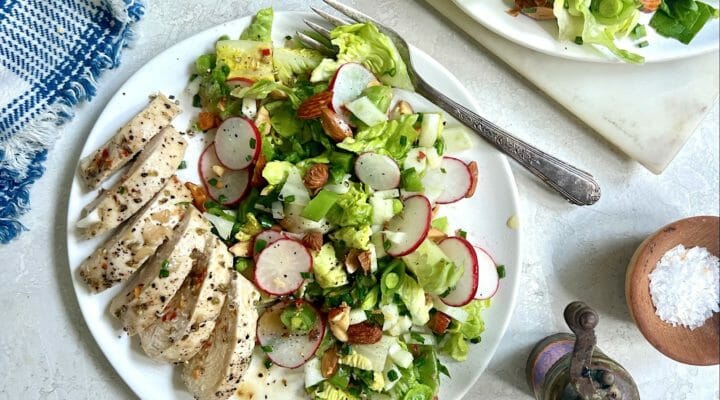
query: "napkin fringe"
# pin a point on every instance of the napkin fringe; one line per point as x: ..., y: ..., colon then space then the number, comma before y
x: 23, y: 154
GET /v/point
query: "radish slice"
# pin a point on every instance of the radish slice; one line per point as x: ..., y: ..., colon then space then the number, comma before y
x: 453, y: 179
x: 289, y: 350
x: 229, y: 188
x: 347, y: 85
x: 462, y: 254
x: 413, y: 222
x: 488, y: 279
x: 378, y: 171
x: 237, y: 143
x: 279, y: 266
x: 269, y: 237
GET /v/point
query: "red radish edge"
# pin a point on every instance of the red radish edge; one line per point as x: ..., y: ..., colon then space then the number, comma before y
x: 462, y: 293
x: 264, y: 284
x: 423, y: 234
x: 276, y: 310
x: 488, y: 270
x: 238, y: 81
x: 213, y: 191
x: 242, y: 164
x: 456, y: 196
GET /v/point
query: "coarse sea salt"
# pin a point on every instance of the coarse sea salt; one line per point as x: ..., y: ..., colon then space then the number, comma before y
x: 685, y: 286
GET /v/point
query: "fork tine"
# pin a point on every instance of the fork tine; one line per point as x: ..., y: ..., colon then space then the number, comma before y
x: 314, y: 44
x: 349, y: 12
x: 317, y: 28
x: 337, y: 21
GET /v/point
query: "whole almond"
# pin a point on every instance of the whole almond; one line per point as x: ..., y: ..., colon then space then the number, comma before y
x: 313, y: 240
x: 329, y: 363
x: 311, y: 107
x: 334, y: 126
x: 257, y: 179
x: 339, y: 321
x: 364, y: 333
x: 198, y: 194
x: 316, y: 176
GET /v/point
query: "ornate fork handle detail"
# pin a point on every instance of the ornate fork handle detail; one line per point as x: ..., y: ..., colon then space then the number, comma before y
x: 577, y: 186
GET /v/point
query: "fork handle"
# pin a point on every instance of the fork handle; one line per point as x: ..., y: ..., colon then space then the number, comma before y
x: 575, y: 185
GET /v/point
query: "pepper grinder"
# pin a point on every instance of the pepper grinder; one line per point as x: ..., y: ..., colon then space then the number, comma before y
x: 571, y: 367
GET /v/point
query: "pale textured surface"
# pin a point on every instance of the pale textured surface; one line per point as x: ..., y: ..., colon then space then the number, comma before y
x: 46, y: 351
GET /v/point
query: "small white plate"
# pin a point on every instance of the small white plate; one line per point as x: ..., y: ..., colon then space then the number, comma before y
x: 543, y: 35
x: 483, y: 217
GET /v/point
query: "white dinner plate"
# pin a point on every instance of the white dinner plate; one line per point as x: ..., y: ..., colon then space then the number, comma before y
x: 543, y: 35
x: 483, y: 217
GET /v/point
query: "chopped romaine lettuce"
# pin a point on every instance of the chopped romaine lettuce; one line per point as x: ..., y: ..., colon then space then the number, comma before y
x: 250, y: 228
x: 455, y: 342
x: 326, y: 391
x: 275, y: 172
x: 354, y: 237
x: 327, y: 269
x: 435, y: 272
x: 393, y: 138
x: 260, y: 28
x: 351, y: 208
x: 290, y: 63
x: 380, y: 95
x: 598, y: 25
x: 413, y: 296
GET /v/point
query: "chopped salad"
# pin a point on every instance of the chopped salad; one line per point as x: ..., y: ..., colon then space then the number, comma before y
x: 326, y: 178
x: 605, y: 22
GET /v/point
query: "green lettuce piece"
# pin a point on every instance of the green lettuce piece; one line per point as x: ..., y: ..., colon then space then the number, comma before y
x: 579, y: 20
x: 363, y: 43
x: 262, y: 88
x: 284, y: 120
x: 275, y: 172
x: 455, y: 342
x: 682, y: 19
x: 327, y: 269
x: 435, y: 272
x: 426, y: 363
x: 249, y: 229
x: 351, y: 208
x: 354, y: 237
x: 327, y: 391
x: 293, y: 62
x: 380, y: 96
x: 413, y: 296
x: 260, y: 28
x: 393, y: 138
x: 406, y: 381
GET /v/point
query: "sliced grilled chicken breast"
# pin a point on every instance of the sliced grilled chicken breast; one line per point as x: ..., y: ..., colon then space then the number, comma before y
x: 142, y: 302
x: 128, y: 141
x: 122, y: 254
x: 146, y: 176
x: 189, y: 318
x: 217, y: 369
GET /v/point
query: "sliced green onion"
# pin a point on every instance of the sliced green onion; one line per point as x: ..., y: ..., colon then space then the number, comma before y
x: 306, y: 275
x: 644, y: 43
x: 212, y: 181
x: 299, y: 319
x: 182, y: 165
x: 266, y: 349
x: 461, y: 233
x: 242, y: 263
x: 164, y: 271
x: 268, y: 363
x: 253, y: 143
x: 260, y: 244
x: 319, y: 206
x: 121, y: 190
x: 501, y: 271
x: 411, y: 181
x: 578, y: 40
x: 197, y: 102
x: 289, y: 199
x: 392, y: 375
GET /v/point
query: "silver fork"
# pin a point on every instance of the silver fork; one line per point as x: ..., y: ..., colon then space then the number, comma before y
x: 576, y: 185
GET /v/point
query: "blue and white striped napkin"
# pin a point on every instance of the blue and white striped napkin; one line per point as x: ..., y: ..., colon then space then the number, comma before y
x: 51, y: 53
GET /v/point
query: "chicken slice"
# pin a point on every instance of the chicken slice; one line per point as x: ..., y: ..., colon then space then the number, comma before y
x: 217, y: 369
x: 122, y: 254
x: 128, y: 141
x: 146, y: 176
x: 143, y: 300
x: 189, y: 318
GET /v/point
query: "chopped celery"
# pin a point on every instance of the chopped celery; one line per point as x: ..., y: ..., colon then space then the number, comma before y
x: 319, y: 206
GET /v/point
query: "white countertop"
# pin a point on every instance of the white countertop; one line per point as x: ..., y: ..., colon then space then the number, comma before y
x: 46, y: 351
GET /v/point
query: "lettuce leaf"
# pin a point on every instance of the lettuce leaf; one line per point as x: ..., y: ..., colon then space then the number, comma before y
x: 393, y: 138
x: 380, y: 95
x: 357, y: 238
x: 598, y: 26
x: 455, y: 342
x: 363, y: 43
x: 435, y: 272
x: 327, y: 269
x: 293, y: 62
x: 413, y: 296
x: 351, y: 208
x: 682, y: 19
x: 260, y: 28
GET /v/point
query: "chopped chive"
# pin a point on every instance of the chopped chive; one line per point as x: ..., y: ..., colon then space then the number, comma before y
x: 443, y: 170
x: 266, y: 349
x: 197, y: 102
x: 212, y: 181
x: 461, y: 233
x: 121, y: 190
x: 440, y: 146
x: 501, y: 271
x: 306, y: 275
x: 222, y: 198
x: 253, y: 143
x: 288, y: 37
x: 289, y: 199
x: 644, y: 43
x: 268, y: 363
x: 164, y: 272
x: 475, y: 340
x: 578, y: 40
x: 259, y: 245
x: 392, y: 375
x: 182, y: 165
